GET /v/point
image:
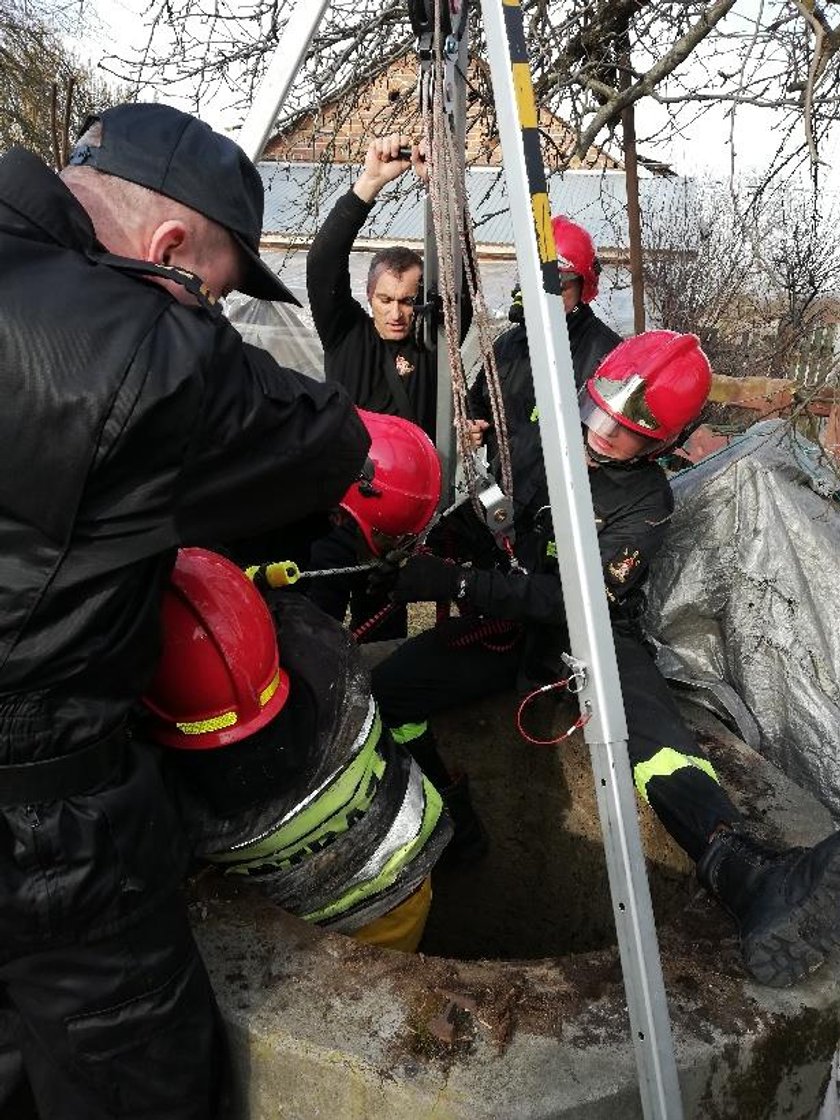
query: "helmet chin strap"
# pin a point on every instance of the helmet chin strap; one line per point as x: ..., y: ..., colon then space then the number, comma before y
x: 597, y: 458
x: 602, y: 460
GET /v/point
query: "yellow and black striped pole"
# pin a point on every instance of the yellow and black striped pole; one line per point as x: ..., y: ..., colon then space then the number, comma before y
x: 592, y: 648
x: 526, y: 105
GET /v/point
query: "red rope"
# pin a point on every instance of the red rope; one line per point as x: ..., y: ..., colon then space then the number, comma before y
x: 374, y: 621
x: 484, y: 630
x: 580, y: 722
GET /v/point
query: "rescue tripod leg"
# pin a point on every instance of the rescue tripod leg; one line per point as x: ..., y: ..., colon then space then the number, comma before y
x: 580, y: 568
x: 588, y: 620
x: 282, y: 70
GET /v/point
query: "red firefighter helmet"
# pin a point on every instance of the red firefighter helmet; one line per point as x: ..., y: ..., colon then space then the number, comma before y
x: 399, y: 489
x: 653, y: 384
x: 576, y: 253
x: 219, y: 677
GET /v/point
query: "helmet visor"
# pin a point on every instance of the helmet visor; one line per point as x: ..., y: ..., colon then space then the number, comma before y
x: 610, y: 438
x: 626, y: 401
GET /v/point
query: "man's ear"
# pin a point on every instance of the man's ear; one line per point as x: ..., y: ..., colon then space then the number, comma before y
x: 167, y: 242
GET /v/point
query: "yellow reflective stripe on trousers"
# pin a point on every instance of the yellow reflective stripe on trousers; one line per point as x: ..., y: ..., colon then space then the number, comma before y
x: 664, y: 763
x: 351, y: 791
x: 404, y: 855
x: 408, y: 732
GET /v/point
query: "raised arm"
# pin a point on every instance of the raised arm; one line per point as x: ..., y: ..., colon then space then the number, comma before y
x: 334, y: 310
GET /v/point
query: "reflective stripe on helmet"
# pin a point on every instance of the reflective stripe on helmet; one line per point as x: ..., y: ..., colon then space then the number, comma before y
x: 664, y: 763
x: 227, y: 719
x: 216, y: 723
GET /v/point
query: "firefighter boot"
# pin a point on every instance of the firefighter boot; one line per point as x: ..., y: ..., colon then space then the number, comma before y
x: 469, y: 840
x: 786, y: 904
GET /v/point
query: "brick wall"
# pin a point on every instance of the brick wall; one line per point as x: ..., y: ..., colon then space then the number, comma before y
x: 341, y: 130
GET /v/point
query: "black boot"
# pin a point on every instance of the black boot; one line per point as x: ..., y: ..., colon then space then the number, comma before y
x: 786, y: 904
x: 469, y: 841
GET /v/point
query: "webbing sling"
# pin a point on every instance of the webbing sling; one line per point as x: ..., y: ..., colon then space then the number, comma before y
x: 394, y: 864
x: 326, y: 812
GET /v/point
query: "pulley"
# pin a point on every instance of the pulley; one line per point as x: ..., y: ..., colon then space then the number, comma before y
x: 453, y: 17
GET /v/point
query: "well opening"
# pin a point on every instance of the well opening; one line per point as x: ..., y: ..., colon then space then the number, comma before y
x: 542, y: 889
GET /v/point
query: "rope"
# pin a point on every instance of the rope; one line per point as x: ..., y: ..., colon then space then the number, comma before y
x: 580, y: 722
x: 371, y: 623
x: 451, y: 219
x: 505, y: 631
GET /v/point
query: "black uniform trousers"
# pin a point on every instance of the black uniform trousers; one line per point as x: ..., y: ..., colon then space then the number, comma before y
x: 102, y: 991
x: 430, y: 673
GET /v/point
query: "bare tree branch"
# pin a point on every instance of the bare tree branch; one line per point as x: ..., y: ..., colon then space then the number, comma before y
x: 687, y: 56
x: 669, y: 62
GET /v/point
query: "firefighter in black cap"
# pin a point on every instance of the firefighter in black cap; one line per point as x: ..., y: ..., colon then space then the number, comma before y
x: 136, y: 421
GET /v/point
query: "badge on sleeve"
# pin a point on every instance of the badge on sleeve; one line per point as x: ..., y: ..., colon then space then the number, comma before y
x: 623, y: 566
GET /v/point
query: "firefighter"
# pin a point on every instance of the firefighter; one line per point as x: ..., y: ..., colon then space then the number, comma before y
x: 643, y: 394
x: 394, y: 497
x: 377, y: 357
x: 136, y: 421
x: 590, y: 339
x: 284, y: 773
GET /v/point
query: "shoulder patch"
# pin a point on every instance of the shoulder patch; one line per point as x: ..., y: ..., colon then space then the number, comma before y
x: 624, y: 565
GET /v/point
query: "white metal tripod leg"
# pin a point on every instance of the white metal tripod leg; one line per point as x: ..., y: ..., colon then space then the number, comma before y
x: 579, y: 559
x: 282, y: 70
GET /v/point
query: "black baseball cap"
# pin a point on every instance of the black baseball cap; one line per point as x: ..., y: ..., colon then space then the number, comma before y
x: 179, y: 156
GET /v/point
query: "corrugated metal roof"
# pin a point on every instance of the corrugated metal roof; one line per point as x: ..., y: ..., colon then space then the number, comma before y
x: 299, y: 195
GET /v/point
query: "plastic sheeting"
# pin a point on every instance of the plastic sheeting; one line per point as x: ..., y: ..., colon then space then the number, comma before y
x: 285, y: 331
x: 746, y: 594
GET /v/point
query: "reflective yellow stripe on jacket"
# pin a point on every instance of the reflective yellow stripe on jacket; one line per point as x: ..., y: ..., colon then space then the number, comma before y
x: 395, y: 851
x: 331, y: 810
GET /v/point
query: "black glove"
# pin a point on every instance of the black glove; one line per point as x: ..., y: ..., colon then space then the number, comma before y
x: 383, y: 577
x: 427, y: 578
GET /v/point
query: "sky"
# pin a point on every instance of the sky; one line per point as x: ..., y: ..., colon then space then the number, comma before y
x: 118, y: 28
x: 705, y: 151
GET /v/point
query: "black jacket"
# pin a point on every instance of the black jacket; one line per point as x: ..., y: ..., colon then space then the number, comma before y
x: 590, y: 340
x: 354, y: 353
x: 632, y: 505
x: 131, y: 425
